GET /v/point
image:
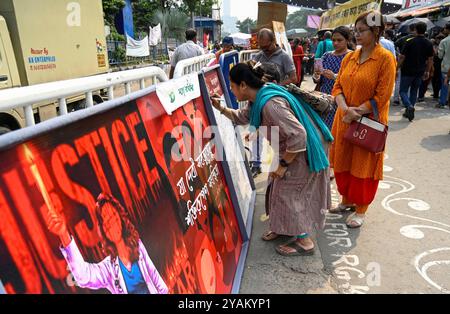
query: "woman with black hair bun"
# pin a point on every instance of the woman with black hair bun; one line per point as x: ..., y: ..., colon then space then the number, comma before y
x: 331, y: 64
x: 300, y: 190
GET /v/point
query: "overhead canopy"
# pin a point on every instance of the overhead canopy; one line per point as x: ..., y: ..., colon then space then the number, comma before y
x: 442, y: 22
x: 422, y: 8
x: 403, y: 28
x: 323, y: 4
x: 391, y: 20
x: 241, y: 39
x: 299, y: 32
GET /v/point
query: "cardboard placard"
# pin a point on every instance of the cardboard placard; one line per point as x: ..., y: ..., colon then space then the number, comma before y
x: 281, y: 38
x: 269, y: 12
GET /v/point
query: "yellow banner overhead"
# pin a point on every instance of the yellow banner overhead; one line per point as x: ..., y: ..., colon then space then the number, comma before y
x: 347, y: 13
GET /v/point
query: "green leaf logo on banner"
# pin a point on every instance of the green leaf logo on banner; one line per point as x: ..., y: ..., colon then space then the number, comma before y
x: 172, y: 97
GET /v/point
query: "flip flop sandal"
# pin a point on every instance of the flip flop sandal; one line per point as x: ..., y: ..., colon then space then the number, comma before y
x: 354, y: 221
x: 341, y: 208
x: 269, y: 236
x: 299, y: 251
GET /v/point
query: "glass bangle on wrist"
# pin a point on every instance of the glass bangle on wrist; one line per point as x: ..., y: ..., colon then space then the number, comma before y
x: 284, y: 163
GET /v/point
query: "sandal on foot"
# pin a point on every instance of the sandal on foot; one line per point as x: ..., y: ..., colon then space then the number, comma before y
x: 298, y: 250
x: 269, y: 236
x: 354, y: 221
x: 341, y: 207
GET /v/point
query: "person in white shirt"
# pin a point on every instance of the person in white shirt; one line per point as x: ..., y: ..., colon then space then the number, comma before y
x: 185, y: 51
x: 444, y: 54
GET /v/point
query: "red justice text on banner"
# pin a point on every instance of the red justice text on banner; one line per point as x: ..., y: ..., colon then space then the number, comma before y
x: 86, y: 205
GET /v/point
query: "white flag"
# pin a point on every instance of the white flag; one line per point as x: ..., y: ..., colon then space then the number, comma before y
x: 154, y: 35
x: 137, y: 48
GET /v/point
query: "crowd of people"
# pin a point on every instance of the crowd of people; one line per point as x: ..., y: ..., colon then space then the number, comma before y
x: 364, y: 68
x: 421, y: 60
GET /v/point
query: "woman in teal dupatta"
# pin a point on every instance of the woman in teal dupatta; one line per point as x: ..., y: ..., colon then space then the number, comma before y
x: 299, y: 192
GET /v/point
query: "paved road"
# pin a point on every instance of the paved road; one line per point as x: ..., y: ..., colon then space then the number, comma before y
x: 404, y: 245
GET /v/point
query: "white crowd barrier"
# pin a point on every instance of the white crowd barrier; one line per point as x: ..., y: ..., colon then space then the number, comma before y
x: 192, y: 65
x: 246, y: 55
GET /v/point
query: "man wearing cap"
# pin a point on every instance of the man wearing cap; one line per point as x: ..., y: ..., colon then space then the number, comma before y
x: 227, y: 46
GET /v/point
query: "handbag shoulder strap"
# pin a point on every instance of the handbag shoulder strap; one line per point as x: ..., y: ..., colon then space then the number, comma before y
x: 376, y: 114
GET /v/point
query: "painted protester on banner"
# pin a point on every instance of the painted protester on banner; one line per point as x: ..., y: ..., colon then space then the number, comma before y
x: 93, y: 208
x: 127, y: 269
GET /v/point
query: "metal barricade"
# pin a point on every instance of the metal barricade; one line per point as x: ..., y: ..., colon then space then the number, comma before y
x: 246, y: 55
x: 25, y: 97
x: 192, y: 65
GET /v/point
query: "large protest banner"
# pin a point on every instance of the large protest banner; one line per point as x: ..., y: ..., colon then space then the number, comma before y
x: 230, y: 139
x: 347, y: 13
x: 121, y: 187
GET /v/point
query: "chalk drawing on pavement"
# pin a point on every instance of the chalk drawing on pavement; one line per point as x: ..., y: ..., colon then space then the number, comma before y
x: 416, y: 232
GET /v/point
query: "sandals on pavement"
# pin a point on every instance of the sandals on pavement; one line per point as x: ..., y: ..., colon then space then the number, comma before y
x: 354, y: 221
x: 298, y: 250
x: 269, y: 236
x: 342, y: 207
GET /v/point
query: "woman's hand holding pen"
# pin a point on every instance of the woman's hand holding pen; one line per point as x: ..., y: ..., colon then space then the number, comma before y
x: 216, y: 101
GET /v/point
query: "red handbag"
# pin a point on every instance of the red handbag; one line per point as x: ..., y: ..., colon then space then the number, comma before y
x: 368, y: 133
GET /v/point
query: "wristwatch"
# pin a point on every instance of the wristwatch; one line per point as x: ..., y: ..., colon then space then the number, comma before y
x: 284, y: 163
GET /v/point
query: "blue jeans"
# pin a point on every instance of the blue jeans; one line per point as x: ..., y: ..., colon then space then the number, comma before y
x: 397, y: 87
x: 411, y: 84
x: 444, y: 91
x: 256, y: 151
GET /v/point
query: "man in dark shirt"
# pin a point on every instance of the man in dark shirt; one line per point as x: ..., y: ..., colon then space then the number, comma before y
x: 416, y: 59
x: 400, y: 43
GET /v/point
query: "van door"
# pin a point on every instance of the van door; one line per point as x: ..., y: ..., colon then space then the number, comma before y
x: 9, y: 75
x: 5, y: 75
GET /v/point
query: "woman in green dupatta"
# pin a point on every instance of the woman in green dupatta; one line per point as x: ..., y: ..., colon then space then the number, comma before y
x: 299, y: 192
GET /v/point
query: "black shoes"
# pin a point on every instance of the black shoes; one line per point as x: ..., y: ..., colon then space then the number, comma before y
x: 397, y: 103
x: 256, y: 171
x: 409, y: 113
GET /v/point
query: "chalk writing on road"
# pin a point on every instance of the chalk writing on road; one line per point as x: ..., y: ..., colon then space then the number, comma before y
x: 416, y: 231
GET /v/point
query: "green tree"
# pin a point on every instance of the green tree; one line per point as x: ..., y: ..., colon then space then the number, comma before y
x: 168, y: 4
x: 197, y: 8
x: 143, y: 13
x: 246, y: 25
x: 111, y: 8
x: 189, y: 6
x: 297, y: 19
x: 173, y: 23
